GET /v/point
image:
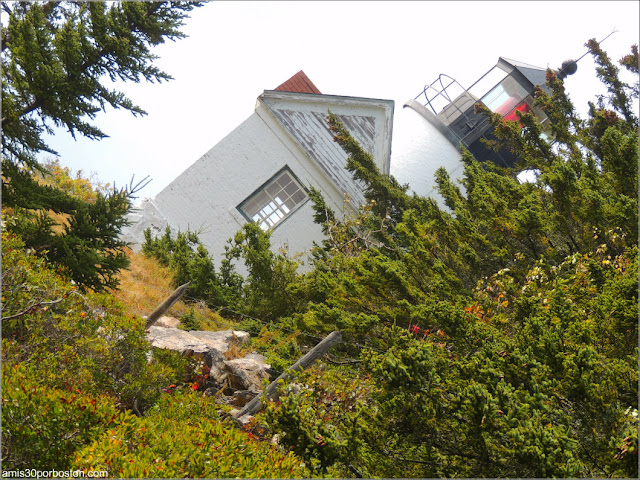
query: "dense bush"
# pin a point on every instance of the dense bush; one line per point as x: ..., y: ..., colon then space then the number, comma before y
x: 42, y: 426
x: 500, y: 335
x: 81, y: 341
x: 68, y: 223
x: 56, y: 340
x: 185, y: 436
x: 78, y: 387
x: 190, y: 262
x: 317, y: 416
x: 533, y: 375
x: 268, y: 290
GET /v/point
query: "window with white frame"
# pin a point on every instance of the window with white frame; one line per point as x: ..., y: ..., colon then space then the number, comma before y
x: 274, y: 200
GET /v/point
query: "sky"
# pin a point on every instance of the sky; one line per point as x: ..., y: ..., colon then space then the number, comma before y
x: 373, y: 49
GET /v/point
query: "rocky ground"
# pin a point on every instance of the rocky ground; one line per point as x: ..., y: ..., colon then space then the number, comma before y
x: 231, y: 381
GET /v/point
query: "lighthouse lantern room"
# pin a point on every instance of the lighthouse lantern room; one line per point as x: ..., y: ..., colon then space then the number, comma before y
x: 443, y: 117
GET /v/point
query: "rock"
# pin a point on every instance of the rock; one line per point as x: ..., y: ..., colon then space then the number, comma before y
x: 217, y: 368
x: 258, y: 358
x: 222, y: 339
x: 243, y: 377
x: 176, y: 339
x: 209, y: 392
x: 244, y: 420
x: 242, y: 397
x: 167, y: 322
x: 203, y: 347
x: 224, y: 399
x: 247, y: 373
x: 200, y: 343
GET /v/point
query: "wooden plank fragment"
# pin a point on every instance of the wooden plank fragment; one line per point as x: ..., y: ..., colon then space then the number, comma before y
x: 166, y: 305
x: 312, y: 355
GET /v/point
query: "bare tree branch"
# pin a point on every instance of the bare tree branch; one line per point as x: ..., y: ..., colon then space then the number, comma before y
x: 31, y: 307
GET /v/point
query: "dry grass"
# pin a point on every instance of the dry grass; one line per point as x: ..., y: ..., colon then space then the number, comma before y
x: 236, y: 351
x: 146, y: 284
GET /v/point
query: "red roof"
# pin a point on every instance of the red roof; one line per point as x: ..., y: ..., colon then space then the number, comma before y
x: 299, y: 83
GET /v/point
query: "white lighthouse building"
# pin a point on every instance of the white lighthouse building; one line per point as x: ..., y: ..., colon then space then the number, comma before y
x: 262, y: 171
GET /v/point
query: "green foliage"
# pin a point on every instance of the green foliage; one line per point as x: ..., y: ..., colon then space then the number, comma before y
x: 75, y: 370
x: 79, y: 342
x: 55, y: 58
x: 531, y: 393
x: 503, y: 330
x: 280, y: 347
x: 43, y: 426
x: 189, y: 261
x: 265, y: 292
x: 70, y: 361
x: 189, y: 321
x: 323, y: 214
x: 83, y: 237
x: 184, y: 436
x: 318, y: 417
x: 513, y: 385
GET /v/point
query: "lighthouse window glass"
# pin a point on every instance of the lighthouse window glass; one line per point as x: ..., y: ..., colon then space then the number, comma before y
x: 505, y: 96
x: 274, y: 201
x: 487, y: 82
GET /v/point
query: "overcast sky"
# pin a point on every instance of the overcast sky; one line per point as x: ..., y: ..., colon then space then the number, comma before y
x: 381, y: 49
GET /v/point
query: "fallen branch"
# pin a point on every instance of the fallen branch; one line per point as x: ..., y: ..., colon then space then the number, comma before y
x: 30, y: 309
x: 347, y: 362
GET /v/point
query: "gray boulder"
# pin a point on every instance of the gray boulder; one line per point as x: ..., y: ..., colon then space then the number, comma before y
x: 207, y: 346
x: 248, y: 373
x: 217, y: 368
x: 242, y: 397
x: 222, y: 339
x: 195, y: 340
x: 175, y: 339
x: 240, y: 374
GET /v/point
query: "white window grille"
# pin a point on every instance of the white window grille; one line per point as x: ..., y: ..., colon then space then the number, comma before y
x: 275, y: 200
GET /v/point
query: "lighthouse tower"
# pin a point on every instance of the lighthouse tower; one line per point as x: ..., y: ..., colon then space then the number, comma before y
x: 433, y: 126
